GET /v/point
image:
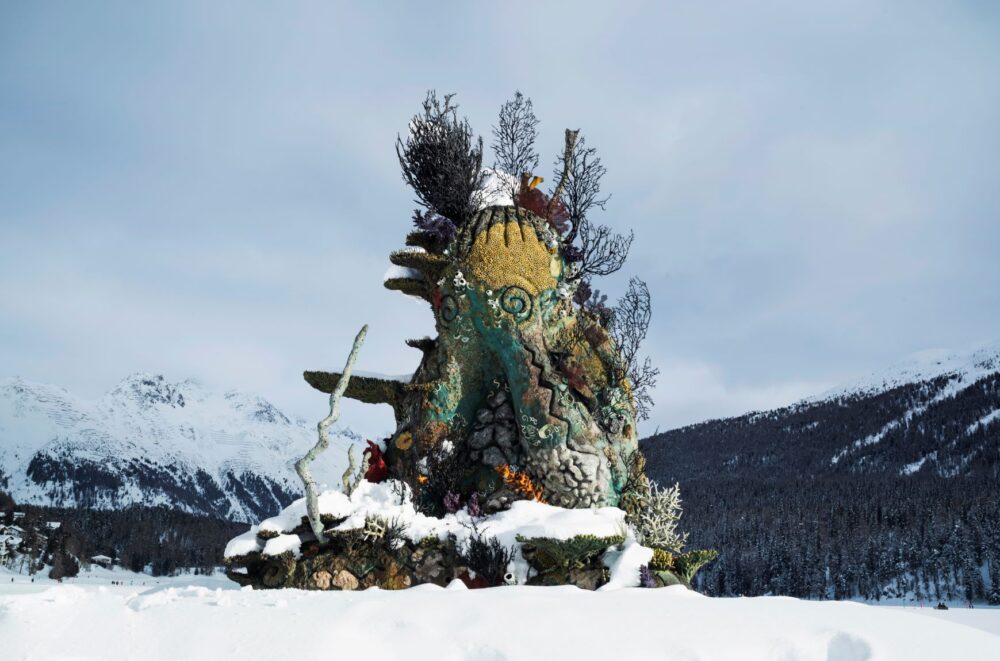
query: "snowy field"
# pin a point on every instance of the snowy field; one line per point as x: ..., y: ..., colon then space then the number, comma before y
x: 195, y: 617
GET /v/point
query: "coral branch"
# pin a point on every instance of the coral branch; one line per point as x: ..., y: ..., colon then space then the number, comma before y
x: 567, y: 161
x: 323, y: 442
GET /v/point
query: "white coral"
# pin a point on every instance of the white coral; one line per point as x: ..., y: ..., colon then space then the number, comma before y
x: 656, y: 525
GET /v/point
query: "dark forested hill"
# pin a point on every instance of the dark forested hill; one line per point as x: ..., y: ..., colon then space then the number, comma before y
x: 888, y: 488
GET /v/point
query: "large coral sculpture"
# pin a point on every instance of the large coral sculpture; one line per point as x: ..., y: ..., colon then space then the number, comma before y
x: 530, y: 392
x: 518, y: 375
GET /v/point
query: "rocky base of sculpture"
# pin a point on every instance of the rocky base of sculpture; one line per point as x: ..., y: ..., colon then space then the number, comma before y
x: 376, y: 538
x: 351, y: 563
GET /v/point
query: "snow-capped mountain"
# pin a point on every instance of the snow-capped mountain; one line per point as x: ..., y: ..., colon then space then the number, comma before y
x: 152, y: 442
x: 938, y: 411
x: 881, y: 489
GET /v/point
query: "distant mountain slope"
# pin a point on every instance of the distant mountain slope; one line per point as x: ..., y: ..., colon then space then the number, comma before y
x: 938, y: 413
x: 152, y: 442
x: 883, y: 489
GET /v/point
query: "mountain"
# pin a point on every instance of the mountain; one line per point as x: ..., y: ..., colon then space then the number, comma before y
x: 881, y: 489
x: 153, y: 442
x: 937, y: 413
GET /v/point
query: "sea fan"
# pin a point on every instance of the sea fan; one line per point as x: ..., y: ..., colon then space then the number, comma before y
x: 436, y: 225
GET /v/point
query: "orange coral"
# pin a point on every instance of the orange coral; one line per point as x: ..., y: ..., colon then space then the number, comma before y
x: 520, y: 482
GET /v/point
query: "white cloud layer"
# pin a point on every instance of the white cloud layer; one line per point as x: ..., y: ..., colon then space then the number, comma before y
x: 211, y: 190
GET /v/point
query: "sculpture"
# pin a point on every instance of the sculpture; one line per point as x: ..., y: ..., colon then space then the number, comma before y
x: 530, y: 392
x: 519, y: 375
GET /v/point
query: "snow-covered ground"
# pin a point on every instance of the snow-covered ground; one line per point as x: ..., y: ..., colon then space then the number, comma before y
x: 195, y: 617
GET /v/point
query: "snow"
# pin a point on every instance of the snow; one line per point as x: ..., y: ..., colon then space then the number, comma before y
x: 401, y: 272
x: 527, y: 518
x: 207, y: 618
x: 178, y: 428
x: 911, y: 468
x: 987, y: 619
x: 965, y: 366
x: 402, y: 378
x: 984, y: 422
x: 962, y: 369
x: 497, y: 187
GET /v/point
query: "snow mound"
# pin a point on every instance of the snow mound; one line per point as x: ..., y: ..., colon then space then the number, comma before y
x: 428, y: 622
x: 391, y: 501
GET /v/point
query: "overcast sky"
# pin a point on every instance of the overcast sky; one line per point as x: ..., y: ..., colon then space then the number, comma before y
x: 210, y: 190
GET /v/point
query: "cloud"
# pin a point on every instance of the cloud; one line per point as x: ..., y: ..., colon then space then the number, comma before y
x: 211, y: 190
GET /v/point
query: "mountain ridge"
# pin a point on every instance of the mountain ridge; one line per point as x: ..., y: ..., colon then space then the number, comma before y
x: 151, y: 441
x: 938, y: 411
x: 881, y: 489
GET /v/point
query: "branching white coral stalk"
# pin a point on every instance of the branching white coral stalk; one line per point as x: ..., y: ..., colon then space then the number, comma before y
x: 302, y: 465
x: 348, y: 476
x: 657, y: 525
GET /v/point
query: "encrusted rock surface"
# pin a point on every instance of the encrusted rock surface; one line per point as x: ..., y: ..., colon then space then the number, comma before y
x: 518, y: 375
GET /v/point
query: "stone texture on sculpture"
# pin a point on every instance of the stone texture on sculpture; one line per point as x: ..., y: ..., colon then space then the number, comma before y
x: 517, y: 375
x: 514, y: 457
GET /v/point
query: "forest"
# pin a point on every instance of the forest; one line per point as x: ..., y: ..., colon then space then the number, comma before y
x: 869, y: 495
x: 922, y: 537
x: 159, y: 539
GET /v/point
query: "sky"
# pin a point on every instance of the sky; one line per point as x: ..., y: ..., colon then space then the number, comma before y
x: 211, y: 191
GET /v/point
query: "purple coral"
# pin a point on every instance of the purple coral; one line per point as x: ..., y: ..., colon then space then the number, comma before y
x: 452, y: 501
x: 572, y: 254
x: 473, y: 505
x: 434, y: 224
x: 646, y: 579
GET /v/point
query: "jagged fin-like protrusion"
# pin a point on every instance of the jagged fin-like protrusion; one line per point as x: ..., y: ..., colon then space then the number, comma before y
x: 425, y: 240
x: 368, y: 389
x: 428, y: 264
x: 425, y: 344
x: 411, y: 286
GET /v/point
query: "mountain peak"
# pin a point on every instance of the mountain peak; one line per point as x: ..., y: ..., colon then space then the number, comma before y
x: 256, y: 407
x: 153, y: 440
x: 149, y: 389
x: 965, y: 366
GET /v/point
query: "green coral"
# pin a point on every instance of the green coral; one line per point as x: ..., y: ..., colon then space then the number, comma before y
x: 679, y: 569
x: 663, y: 560
x: 686, y: 565
x: 575, y: 561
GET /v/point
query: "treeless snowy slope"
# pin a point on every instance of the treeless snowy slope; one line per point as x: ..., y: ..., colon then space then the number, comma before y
x: 434, y: 623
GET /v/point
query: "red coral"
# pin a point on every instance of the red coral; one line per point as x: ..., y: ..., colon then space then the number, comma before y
x: 537, y: 203
x: 473, y: 583
x: 377, y: 470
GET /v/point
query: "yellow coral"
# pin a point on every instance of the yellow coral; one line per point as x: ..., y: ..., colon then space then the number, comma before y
x: 662, y: 560
x: 404, y: 441
x: 511, y: 254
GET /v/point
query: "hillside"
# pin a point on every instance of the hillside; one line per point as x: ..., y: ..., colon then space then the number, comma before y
x: 884, y: 488
x: 153, y: 442
x: 939, y: 416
